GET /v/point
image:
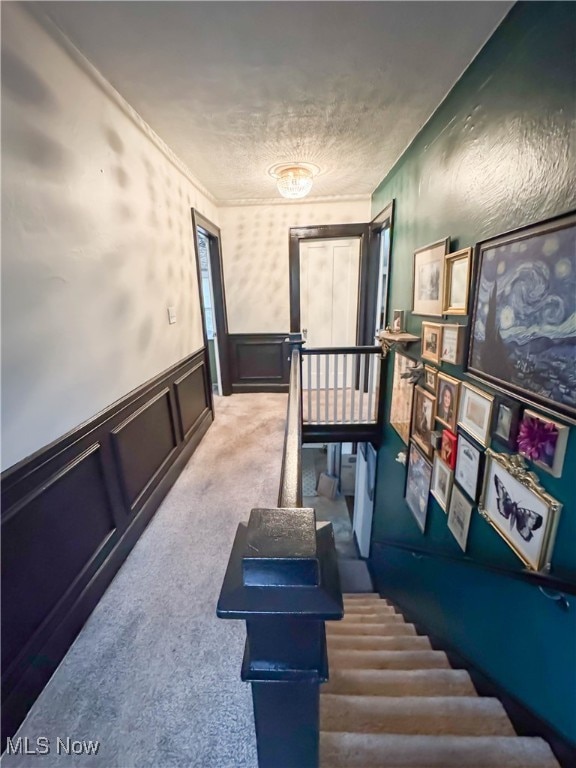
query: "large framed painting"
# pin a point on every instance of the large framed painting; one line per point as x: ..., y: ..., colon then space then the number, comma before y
x: 428, y: 283
x: 402, y: 393
x: 519, y: 509
x: 418, y: 485
x: 523, y: 331
x: 423, y: 413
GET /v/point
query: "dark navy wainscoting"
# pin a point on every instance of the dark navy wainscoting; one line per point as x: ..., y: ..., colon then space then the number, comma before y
x: 259, y: 362
x: 72, y: 512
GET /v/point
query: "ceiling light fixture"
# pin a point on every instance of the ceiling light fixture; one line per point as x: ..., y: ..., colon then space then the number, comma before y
x: 294, y: 180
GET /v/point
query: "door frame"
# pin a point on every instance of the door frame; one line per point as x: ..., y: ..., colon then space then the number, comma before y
x: 329, y: 232
x: 213, y: 234
x: 382, y: 220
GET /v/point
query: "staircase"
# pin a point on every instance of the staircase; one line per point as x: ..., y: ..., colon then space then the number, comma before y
x: 393, y: 702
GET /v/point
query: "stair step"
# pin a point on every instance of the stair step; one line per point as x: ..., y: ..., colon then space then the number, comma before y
x: 426, y: 715
x: 379, y: 642
x: 405, y: 682
x: 362, y: 628
x: 361, y: 595
x: 367, y: 750
x: 374, y: 617
x: 352, y: 659
x: 380, y: 608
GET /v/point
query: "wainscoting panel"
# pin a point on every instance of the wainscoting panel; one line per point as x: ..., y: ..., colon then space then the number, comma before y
x: 260, y: 362
x: 72, y: 512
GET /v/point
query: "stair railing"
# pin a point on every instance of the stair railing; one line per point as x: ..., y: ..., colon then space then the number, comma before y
x: 282, y: 579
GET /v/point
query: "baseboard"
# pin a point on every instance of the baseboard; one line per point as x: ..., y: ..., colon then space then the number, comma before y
x: 111, y: 475
x: 239, y: 389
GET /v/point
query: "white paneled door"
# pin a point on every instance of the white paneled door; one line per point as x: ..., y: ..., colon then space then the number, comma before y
x: 329, y: 277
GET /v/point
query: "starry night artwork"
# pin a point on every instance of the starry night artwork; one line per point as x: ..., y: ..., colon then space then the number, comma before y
x: 524, y: 324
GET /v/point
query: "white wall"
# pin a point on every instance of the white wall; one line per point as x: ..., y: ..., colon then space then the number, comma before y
x: 96, y: 242
x: 255, y: 256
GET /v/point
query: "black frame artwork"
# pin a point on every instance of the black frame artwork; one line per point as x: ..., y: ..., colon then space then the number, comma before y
x: 522, y: 336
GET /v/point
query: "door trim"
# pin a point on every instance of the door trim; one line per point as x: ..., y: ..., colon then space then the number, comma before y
x: 329, y: 232
x: 382, y: 220
x: 220, y: 314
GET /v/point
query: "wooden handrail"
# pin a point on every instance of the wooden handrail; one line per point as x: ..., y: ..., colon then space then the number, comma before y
x: 341, y: 350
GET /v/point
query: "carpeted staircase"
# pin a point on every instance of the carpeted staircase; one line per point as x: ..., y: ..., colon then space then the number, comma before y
x: 393, y: 702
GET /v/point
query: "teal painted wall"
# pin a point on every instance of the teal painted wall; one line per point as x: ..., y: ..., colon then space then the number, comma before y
x: 497, y: 154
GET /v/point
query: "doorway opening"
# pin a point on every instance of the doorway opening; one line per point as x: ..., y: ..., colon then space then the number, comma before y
x: 212, y: 301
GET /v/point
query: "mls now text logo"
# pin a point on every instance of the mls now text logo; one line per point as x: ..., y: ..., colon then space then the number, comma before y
x: 43, y: 746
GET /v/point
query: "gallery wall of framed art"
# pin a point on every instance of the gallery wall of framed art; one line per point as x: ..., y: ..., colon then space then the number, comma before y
x: 477, y: 381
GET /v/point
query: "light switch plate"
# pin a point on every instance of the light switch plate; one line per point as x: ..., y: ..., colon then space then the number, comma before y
x: 171, y: 315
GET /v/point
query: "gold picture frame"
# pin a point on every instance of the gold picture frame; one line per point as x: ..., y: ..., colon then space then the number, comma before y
x: 457, y: 282
x: 432, y: 342
x: 447, y: 412
x: 453, y: 344
x: 475, y: 412
x: 428, y: 278
x: 514, y: 503
x: 423, y: 415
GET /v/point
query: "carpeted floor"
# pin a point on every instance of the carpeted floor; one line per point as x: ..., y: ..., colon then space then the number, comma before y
x: 154, y: 676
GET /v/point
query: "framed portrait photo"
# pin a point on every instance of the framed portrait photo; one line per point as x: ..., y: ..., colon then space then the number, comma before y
x: 519, y: 509
x: 448, y: 391
x: 475, y: 412
x: 402, y: 395
x: 430, y: 377
x: 423, y: 411
x: 523, y: 335
x: 456, y: 282
x: 428, y: 283
x: 506, y: 422
x: 432, y: 342
x: 453, y: 344
x: 418, y: 485
x: 468, y: 472
x: 543, y: 441
x: 442, y: 479
x: 459, y: 516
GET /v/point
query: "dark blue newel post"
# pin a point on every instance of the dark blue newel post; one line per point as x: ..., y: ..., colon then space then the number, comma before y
x: 282, y: 579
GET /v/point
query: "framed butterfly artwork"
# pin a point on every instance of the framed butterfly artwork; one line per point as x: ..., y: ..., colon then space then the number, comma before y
x: 519, y: 509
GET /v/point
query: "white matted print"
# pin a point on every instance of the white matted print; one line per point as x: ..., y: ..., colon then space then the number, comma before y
x: 442, y: 478
x: 459, y: 516
x: 519, y: 509
x: 428, y: 286
x: 475, y: 412
x: 418, y: 485
x: 468, y: 463
x: 453, y: 344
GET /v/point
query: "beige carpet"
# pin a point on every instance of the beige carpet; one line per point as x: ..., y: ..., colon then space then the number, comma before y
x: 393, y: 702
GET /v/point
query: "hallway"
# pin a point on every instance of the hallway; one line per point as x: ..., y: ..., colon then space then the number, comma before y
x: 154, y: 676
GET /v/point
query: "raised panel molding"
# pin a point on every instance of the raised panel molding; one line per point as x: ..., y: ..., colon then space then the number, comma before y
x: 72, y: 512
x: 259, y: 362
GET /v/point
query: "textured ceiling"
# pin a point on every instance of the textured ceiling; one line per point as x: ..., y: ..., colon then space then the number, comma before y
x: 234, y: 87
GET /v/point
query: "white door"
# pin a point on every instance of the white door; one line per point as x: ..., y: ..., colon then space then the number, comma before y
x: 329, y: 277
x: 208, y: 301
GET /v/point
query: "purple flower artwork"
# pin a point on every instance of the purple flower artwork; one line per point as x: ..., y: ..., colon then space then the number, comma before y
x: 537, y: 439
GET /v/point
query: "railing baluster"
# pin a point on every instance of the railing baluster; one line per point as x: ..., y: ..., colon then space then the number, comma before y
x: 327, y: 388
x: 353, y: 374
x: 318, y: 389
x: 335, y: 389
x: 345, y: 366
x: 309, y: 365
x: 371, y: 367
x: 361, y: 395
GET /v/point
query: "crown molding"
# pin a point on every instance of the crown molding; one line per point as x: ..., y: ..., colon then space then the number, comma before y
x: 236, y: 203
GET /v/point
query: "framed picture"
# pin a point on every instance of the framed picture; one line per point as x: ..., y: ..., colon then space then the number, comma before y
x: 402, y: 395
x: 442, y: 478
x: 506, y: 422
x: 468, y: 467
x: 519, y: 509
x: 398, y: 321
x: 456, y: 282
x: 432, y: 342
x: 543, y: 441
x: 523, y: 335
x: 423, y: 419
x: 475, y: 412
x: 418, y: 485
x: 447, y: 401
x: 453, y: 344
x: 430, y: 377
x: 448, y: 448
x: 459, y: 515
x: 428, y: 283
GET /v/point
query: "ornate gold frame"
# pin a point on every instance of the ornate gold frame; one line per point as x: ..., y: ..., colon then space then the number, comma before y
x: 449, y: 260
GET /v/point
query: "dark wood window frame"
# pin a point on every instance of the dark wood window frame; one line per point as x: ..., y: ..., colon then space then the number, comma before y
x: 199, y: 222
x: 382, y: 220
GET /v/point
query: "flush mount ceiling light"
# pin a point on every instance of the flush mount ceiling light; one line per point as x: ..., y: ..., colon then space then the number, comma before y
x: 294, y: 180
